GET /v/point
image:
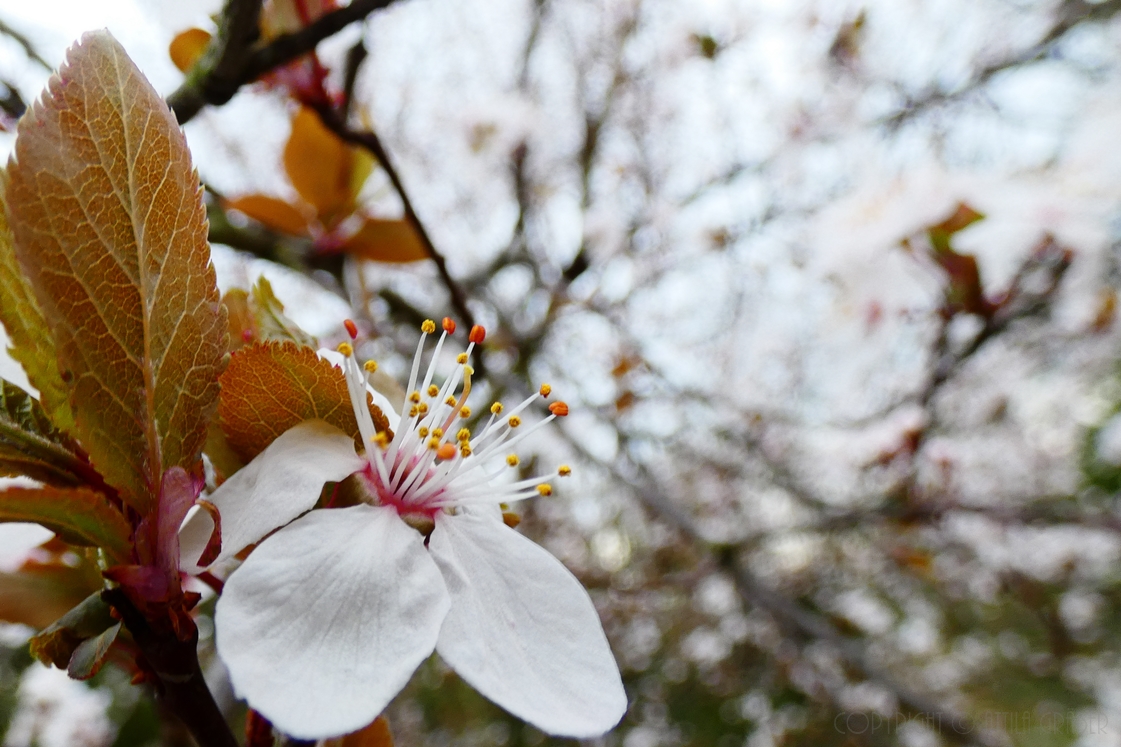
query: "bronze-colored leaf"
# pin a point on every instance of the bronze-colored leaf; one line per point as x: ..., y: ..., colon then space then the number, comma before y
x: 271, y: 387
x: 32, y: 344
x: 188, y: 47
x: 90, y: 654
x: 41, y: 592
x: 386, y: 241
x: 327, y: 172
x: 272, y: 212
x: 110, y: 229
x: 31, y: 446
x: 79, y: 515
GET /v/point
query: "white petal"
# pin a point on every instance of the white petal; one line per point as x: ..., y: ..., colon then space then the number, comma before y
x: 281, y: 483
x: 522, y: 630
x: 335, y: 358
x: 326, y: 621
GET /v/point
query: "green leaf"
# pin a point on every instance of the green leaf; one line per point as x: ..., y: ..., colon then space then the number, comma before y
x: 90, y: 654
x: 32, y: 346
x: 272, y: 324
x: 57, y: 642
x: 79, y: 515
x: 31, y: 446
x: 110, y: 229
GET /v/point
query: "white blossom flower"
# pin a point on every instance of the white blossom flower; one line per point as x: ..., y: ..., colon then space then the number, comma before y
x: 327, y: 619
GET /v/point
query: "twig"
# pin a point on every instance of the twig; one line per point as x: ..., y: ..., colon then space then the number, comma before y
x: 232, y: 60
x: 369, y: 140
x: 24, y: 42
x: 1071, y: 13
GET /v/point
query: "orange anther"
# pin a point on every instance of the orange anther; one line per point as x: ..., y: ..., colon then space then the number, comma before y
x: 478, y: 334
x: 449, y: 325
x: 446, y: 451
x: 560, y: 409
x: 351, y: 329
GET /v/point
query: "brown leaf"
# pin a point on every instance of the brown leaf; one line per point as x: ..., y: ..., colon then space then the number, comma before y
x: 79, y: 515
x: 386, y: 241
x: 326, y: 172
x: 31, y: 339
x: 58, y: 641
x: 187, y: 47
x: 110, y: 228
x: 272, y: 212
x: 272, y: 387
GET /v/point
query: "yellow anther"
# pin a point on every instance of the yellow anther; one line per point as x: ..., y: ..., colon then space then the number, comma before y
x: 468, y: 371
x: 346, y: 349
x: 514, y: 421
x: 433, y: 443
x: 545, y: 489
x: 422, y: 431
x: 511, y: 519
x: 433, y: 390
x: 450, y: 401
x: 414, y: 397
x: 465, y: 412
x: 512, y: 460
x: 564, y: 470
x: 496, y: 408
x: 465, y: 449
x: 438, y: 432
x: 463, y: 435
x: 545, y: 390
x: 370, y: 366
x: 461, y: 358
x: 428, y: 327
x: 381, y: 438
x: 422, y: 408
x: 413, y: 411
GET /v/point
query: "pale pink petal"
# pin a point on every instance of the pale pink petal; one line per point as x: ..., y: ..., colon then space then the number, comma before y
x: 522, y: 630
x: 284, y: 481
x: 328, y: 618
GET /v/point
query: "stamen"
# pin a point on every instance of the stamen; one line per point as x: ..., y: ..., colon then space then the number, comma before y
x: 428, y: 326
x: 465, y: 412
x: 422, y: 432
x: 414, y: 397
x: 449, y: 325
x: 346, y: 349
x: 560, y: 409
x: 351, y: 329
x: 478, y: 334
x: 564, y: 470
x: 545, y: 390
x: 461, y: 358
x: 514, y: 421
x: 496, y: 408
x: 438, y: 432
x: 463, y: 435
x: 370, y: 366
x: 422, y: 408
x: 381, y: 438
x: 433, y: 443
x: 512, y: 460
x: 545, y: 489
x: 450, y: 401
x: 433, y: 390
x: 446, y: 452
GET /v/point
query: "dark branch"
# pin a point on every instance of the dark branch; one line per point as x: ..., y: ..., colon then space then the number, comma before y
x: 24, y: 42
x: 233, y: 61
